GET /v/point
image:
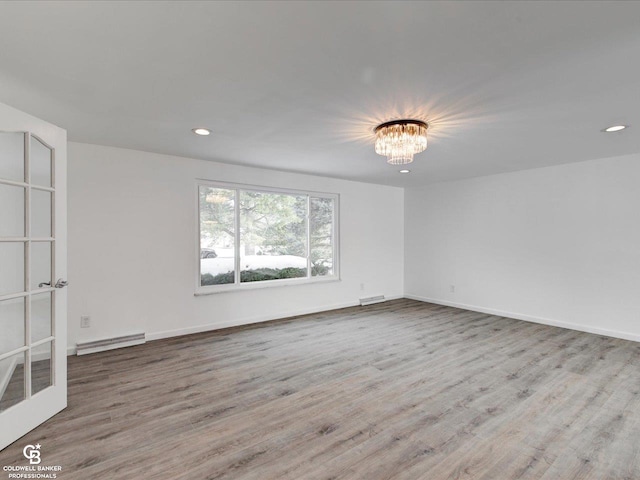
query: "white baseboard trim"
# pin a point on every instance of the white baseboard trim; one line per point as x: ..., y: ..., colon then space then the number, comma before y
x: 530, y: 318
x: 71, y: 350
x: 258, y: 319
x: 247, y: 321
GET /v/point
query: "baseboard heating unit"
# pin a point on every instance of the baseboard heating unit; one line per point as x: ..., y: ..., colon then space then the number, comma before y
x: 85, y: 348
x: 371, y: 300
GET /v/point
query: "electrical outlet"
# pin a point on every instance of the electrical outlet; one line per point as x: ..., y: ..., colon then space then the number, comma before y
x: 452, y: 288
x: 362, y: 286
x: 85, y: 321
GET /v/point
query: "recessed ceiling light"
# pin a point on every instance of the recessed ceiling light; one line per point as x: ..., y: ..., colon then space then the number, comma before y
x: 615, y: 128
x: 201, y: 131
x: 405, y: 171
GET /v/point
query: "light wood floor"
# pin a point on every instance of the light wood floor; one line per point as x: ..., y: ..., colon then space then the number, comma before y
x: 400, y: 390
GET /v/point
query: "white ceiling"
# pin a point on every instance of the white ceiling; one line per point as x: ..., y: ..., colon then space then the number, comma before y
x: 299, y: 86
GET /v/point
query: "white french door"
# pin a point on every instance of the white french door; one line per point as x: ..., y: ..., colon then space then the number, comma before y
x: 33, y: 266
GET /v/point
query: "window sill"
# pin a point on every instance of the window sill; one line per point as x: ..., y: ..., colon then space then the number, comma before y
x: 202, y: 291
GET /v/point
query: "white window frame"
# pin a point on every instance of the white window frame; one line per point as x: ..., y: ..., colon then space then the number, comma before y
x: 212, y: 289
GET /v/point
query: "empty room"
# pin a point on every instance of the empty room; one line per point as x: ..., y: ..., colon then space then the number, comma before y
x: 320, y: 240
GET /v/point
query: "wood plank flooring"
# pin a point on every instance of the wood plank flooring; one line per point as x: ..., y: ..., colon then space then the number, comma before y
x: 399, y: 390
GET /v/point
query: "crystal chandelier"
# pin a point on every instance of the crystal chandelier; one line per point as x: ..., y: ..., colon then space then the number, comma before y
x: 400, y: 140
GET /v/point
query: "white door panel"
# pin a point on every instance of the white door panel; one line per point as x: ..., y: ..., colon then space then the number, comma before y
x: 33, y: 255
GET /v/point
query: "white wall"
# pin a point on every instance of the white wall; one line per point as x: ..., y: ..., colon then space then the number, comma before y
x: 558, y: 245
x: 132, y: 228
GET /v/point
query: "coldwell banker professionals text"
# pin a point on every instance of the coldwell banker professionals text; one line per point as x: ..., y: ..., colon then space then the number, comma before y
x: 32, y: 471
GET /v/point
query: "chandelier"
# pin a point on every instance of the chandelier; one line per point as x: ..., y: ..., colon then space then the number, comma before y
x: 400, y: 140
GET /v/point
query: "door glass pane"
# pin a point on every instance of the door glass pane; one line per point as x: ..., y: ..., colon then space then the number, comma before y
x: 217, y: 237
x: 40, y: 265
x: 321, y: 236
x: 40, y: 316
x: 11, y: 211
x: 40, y: 367
x: 12, y: 156
x: 11, y: 326
x: 12, y: 267
x: 40, y: 214
x: 40, y: 163
x: 273, y: 236
x: 12, y: 376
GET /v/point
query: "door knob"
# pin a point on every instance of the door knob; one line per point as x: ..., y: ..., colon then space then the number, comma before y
x: 61, y: 283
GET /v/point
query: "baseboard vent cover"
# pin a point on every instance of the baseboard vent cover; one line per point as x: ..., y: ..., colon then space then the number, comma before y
x: 110, y: 344
x: 371, y: 300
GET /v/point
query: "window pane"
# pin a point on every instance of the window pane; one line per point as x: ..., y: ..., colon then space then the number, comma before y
x: 321, y: 236
x: 40, y: 265
x: 273, y: 236
x: 11, y: 267
x: 12, y: 373
x: 40, y: 163
x: 12, y: 156
x: 217, y: 236
x: 11, y: 326
x: 40, y: 213
x: 40, y: 316
x: 41, y: 367
x: 11, y: 210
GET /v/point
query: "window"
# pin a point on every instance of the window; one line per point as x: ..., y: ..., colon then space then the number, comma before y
x: 253, y: 236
